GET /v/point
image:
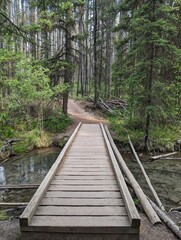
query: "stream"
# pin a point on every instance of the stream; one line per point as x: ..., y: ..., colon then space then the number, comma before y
x: 165, y: 175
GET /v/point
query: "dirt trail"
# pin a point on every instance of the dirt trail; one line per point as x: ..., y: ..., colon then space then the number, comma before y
x: 78, y: 114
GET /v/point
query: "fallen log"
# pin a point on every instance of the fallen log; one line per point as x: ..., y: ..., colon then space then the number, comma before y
x: 139, y: 192
x: 170, y: 224
x: 146, y: 176
x: 169, y: 159
x: 22, y: 186
x: 175, y: 209
x: 162, y: 156
x: 11, y: 204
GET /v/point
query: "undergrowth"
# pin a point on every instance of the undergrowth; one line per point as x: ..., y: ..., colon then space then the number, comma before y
x: 162, y: 136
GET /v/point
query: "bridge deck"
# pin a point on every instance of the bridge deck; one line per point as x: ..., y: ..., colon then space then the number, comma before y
x: 81, y: 198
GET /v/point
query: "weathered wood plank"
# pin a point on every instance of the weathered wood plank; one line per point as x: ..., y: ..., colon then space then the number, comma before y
x: 80, y: 211
x: 86, y: 154
x: 80, y: 221
x: 125, y: 233
x: 91, y: 144
x: 83, y: 188
x: 86, y: 173
x: 85, y: 169
x: 87, y: 164
x: 83, y: 177
x: 84, y: 182
x: 82, y: 158
x: 31, y: 208
x: 81, y: 202
x: 61, y: 194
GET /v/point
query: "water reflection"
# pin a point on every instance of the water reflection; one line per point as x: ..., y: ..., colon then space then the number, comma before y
x: 29, y: 169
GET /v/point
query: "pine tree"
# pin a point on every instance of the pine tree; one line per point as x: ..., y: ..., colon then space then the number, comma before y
x: 146, y: 59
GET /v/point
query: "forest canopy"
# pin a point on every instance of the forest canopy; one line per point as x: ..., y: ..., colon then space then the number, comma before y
x: 102, y: 48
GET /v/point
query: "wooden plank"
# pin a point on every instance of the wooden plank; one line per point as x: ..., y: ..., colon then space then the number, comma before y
x: 91, y: 144
x: 81, y: 202
x: 85, y: 147
x: 83, y: 188
x: 88, y: 160
x: 80, y: 211
x: 78, y: 233
x: 88, y: 137
x: 56, y: 221
x: 19, y: 186
x: 88, y: 157
x: 83, y: 177
x: 85, y: 174
x: 86, y: 154
x: 128, y: 201
x: 85, y: 169
x: 88, y: 151
x: 84, y: 182
x: 86, y: 164
x: 101, y: 194
x: 31, y: 208
x: 89, y: 133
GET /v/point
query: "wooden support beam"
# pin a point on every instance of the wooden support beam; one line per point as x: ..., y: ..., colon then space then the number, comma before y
x: 139, y: 192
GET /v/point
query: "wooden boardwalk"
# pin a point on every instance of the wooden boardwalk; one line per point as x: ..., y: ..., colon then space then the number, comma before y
x: 83, y: 196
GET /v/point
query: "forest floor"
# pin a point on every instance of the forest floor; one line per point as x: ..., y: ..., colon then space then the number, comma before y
x: 10, y: 230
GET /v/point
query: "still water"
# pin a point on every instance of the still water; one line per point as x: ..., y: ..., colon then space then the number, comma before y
x: 165, y: 176
x: 30, y: 169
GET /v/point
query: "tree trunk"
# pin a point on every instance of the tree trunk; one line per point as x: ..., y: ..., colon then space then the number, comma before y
x: 68, y: 70
x: 95, y: 54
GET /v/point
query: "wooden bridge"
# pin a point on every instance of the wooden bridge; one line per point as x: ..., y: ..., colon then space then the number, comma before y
x: 84, y: 195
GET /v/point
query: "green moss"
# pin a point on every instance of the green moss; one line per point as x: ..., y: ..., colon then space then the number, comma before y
x: 3, y: 216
